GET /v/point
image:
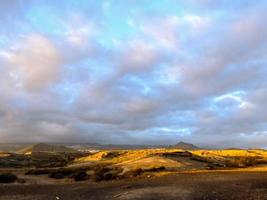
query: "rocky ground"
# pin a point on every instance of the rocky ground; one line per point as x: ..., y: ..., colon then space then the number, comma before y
x: 187, y: 186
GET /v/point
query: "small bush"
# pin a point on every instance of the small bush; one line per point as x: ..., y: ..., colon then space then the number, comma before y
x: 155, y: 169
x: 57, y: 175
x: 66, y: 171
x: 177, y: 154
x: 241, y: 162
x: 106, y: 174
x: 8, y: 178
x: 101, y: 174
x: 198, y: 158
x: 76, y: 173
x: 214, y: 165
x: 261, y: 161
x: 61, y: 173
x: 134, y: 173
x: 139, y: 171
x: 112, y: 154
x: 80, y: 176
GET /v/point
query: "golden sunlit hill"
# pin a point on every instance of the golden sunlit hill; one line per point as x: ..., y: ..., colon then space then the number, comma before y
x: 175, y: 159
x: 49, y: 164
x: 144, y: 159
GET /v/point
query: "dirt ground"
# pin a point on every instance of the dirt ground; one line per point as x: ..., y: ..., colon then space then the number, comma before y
x: 187, y: 186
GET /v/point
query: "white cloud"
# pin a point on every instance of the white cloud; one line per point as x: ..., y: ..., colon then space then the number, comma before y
x: 80, y: 31
x: 35, y: 62
x: 128, y: 73
x: 163, y: 32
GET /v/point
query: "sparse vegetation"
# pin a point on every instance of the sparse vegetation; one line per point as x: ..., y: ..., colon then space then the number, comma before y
x: 198, y: 158
x: 134, y: 173
x: 155, y: 169
x: 57, y: 175
x: 241, y: 161
x: 107, y: 173
x: 80, y: 176
x: 62, y: 173
x: 113, y: 165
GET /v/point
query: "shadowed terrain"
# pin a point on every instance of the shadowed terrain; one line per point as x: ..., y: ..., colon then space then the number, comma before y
x: 162, y: 173
x: 200, y: 186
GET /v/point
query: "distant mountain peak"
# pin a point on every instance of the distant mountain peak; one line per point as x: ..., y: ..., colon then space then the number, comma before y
x: 184, y: 145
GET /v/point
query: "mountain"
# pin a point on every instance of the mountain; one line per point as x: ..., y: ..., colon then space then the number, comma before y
x: 12, y: 147
x: 42, y: 147
x: 184, y: 145
x: 96, y: 146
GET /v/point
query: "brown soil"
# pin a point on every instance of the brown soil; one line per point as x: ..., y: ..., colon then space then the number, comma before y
x: 187, y: 186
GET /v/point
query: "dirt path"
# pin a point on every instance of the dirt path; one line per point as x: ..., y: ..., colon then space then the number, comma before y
x: 194, y: 186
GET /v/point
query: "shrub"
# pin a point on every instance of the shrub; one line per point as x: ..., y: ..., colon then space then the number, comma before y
x: 66, y: 171
x: 155, y: 169
x: 8, y: 178
x: 138, y: 171
x: 134, y: 173
x: 106, y: 174
x: 241, y: 162
x: 112, y: 154
x: 261, y: 161
x: 198, y: 158
x: 214, y: 165
x: 61, y: 173
x: 177, y: 154
x: 101, y: 174
x: 80, y: 176
x: 57, y: 175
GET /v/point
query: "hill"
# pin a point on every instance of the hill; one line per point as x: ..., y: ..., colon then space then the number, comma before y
x: 42, y: 147
x: 12, y: 147
x: 184, y: 145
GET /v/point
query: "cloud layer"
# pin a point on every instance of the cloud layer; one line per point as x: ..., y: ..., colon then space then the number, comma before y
x: 152, y: 72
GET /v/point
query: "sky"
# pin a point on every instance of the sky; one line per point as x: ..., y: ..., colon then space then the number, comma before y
x: 134, y: 71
